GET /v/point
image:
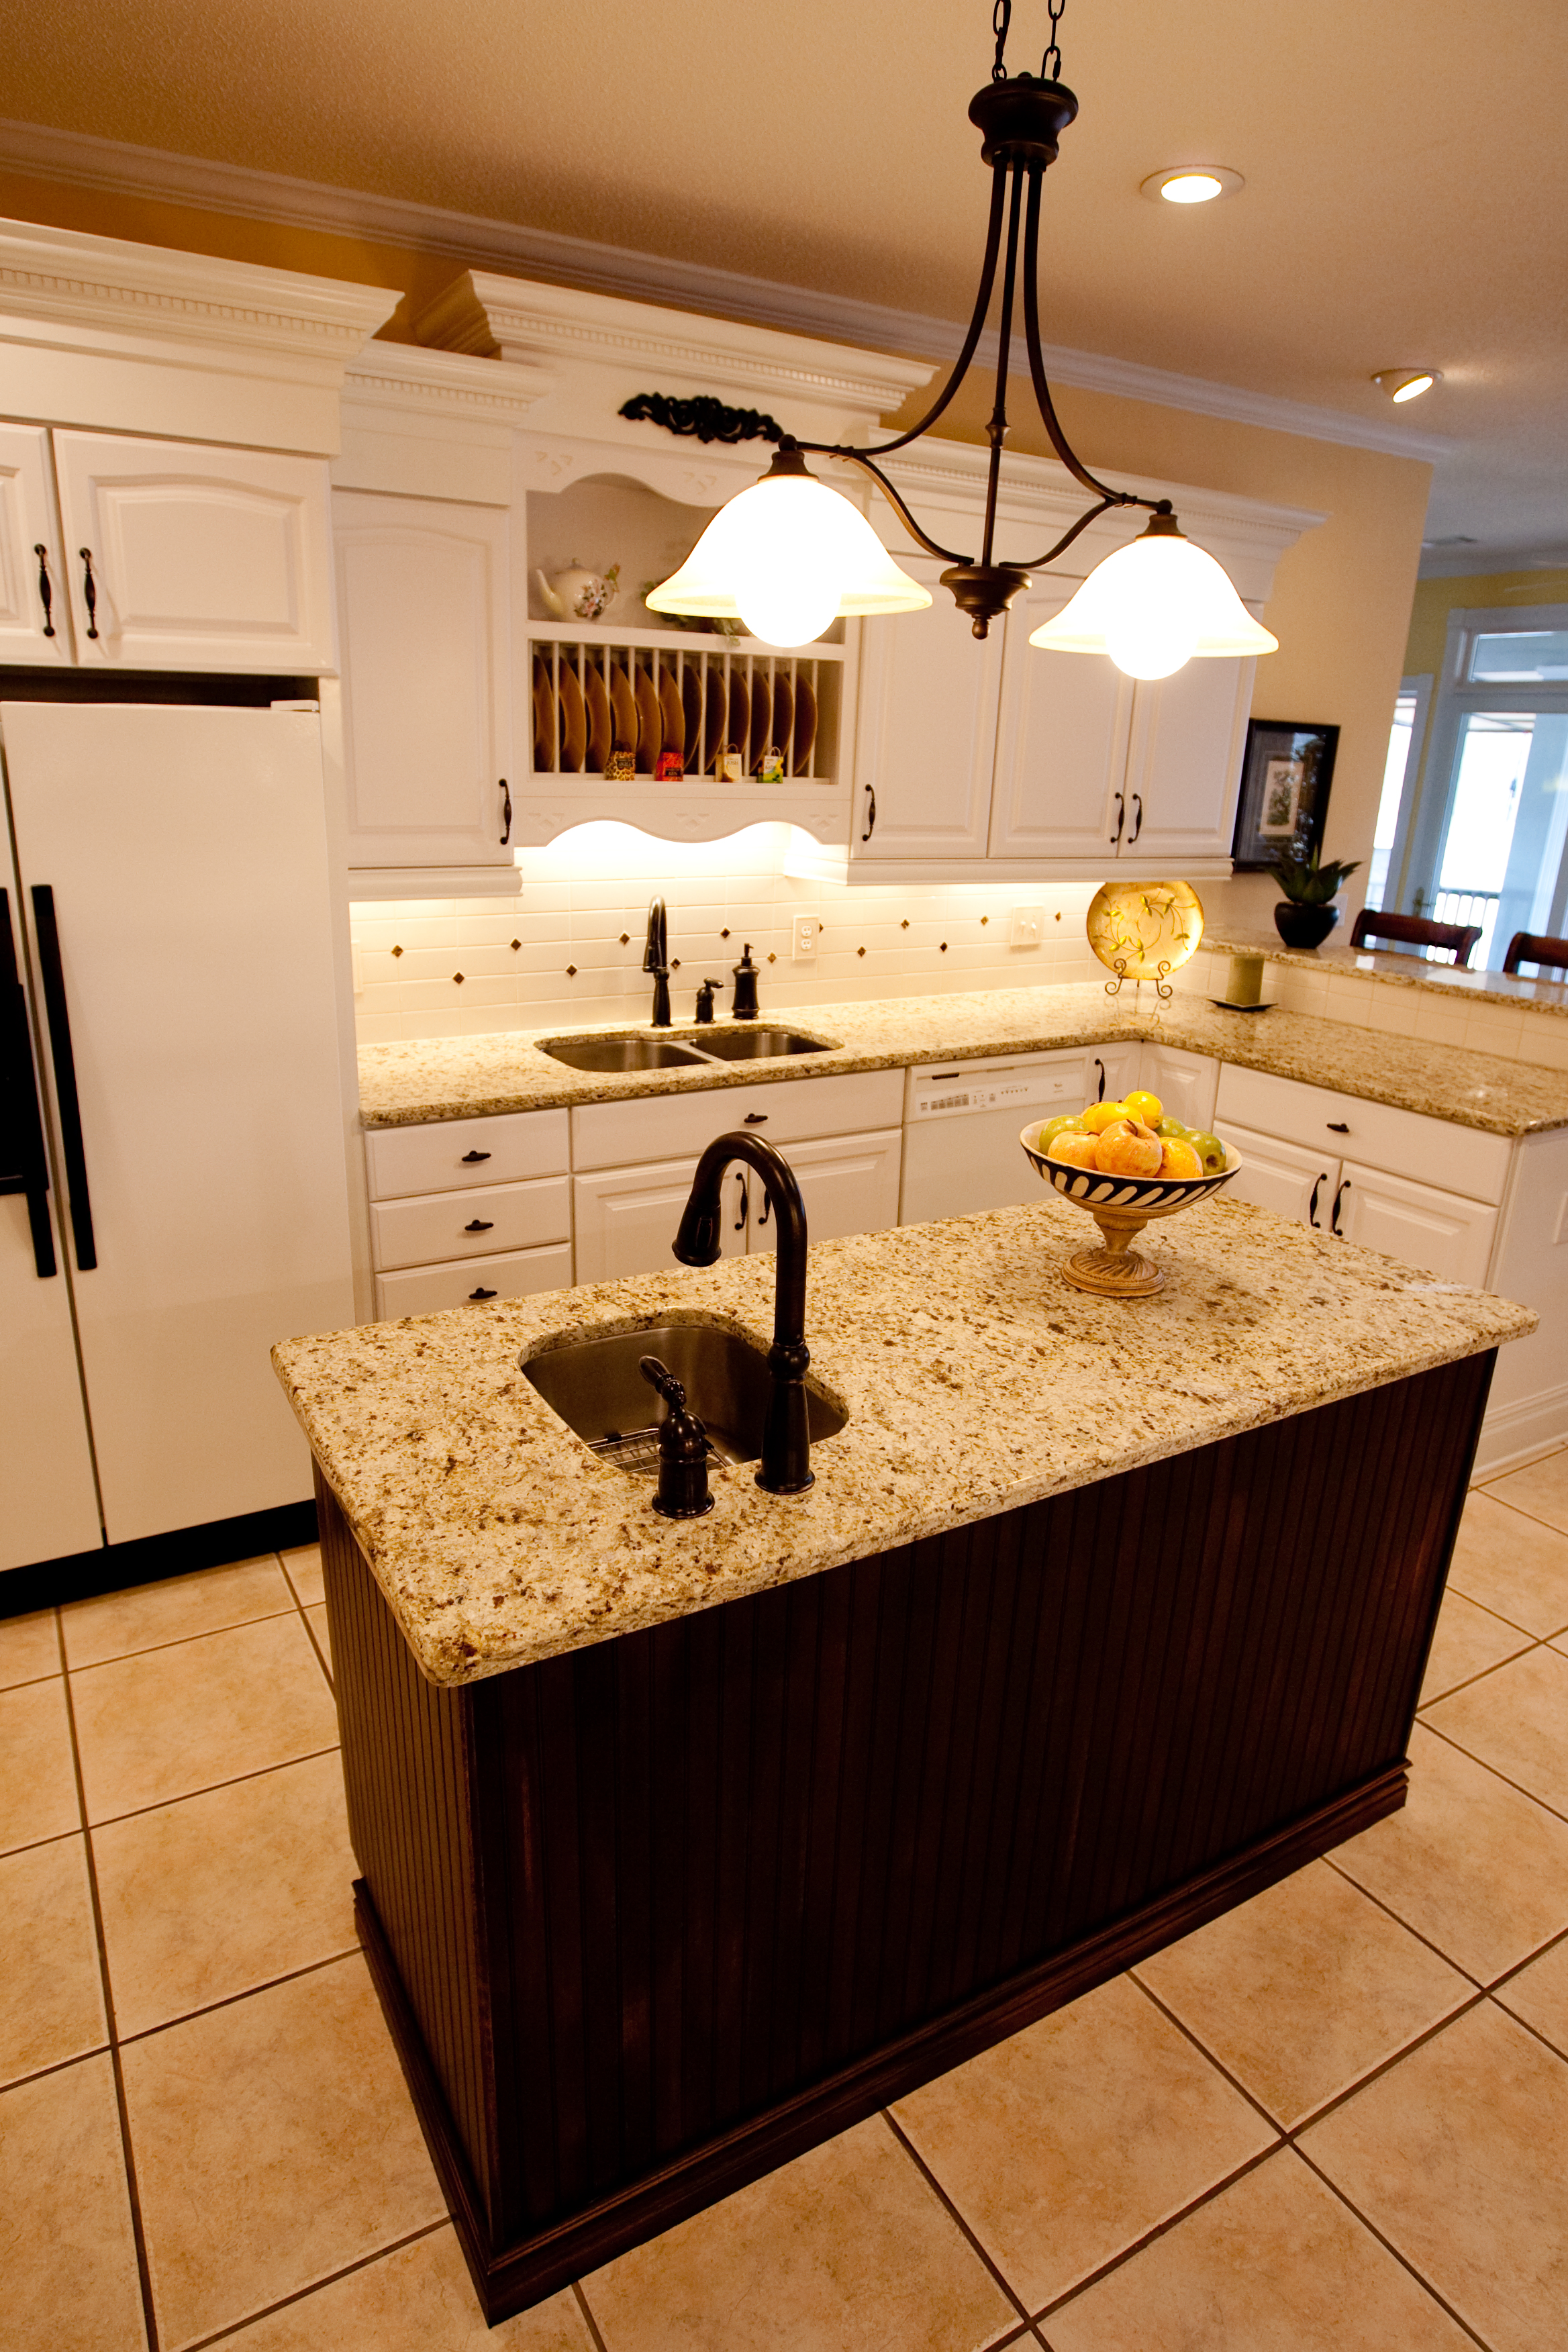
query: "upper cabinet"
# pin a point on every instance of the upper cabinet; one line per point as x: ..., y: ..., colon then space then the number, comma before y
x: 423, y: 604
x: 194, y: 559
x: 35, y: 623
x: 928, y: 731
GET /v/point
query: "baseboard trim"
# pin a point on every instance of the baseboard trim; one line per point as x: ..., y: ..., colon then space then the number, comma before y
x: 512, y: 2278
x: 82, y: 1575
x: 1513, y: 1434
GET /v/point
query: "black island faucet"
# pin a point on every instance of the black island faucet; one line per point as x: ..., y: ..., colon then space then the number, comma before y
x: 786, y: 1444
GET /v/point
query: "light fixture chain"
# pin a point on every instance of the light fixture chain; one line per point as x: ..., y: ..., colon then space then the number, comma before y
x: 1001, y: 17
x: 1053, y: 47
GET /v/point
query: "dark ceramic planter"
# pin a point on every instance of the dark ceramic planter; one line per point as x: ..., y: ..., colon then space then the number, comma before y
x: 1304, y: 927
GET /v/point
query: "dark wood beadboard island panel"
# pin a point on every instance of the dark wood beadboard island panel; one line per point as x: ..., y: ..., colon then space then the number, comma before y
x: 653, y: 1916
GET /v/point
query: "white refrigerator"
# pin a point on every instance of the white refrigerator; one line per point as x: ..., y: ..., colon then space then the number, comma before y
x: 171, y: 1165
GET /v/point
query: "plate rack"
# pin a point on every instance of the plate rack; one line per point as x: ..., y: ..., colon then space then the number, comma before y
x: 703, y: 697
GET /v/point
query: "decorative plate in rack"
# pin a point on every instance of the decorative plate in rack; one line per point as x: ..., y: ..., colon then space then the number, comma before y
x: 1145, y: 931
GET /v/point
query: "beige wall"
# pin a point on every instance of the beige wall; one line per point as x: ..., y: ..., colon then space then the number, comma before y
x: 1342, y: 595
x: 1436, y: 599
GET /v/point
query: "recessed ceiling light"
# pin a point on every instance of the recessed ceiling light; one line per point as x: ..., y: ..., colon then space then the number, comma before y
x: 1191, y: 183
x: 1406, y: 382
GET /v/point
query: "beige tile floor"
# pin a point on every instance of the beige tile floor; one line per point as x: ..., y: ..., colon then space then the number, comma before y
x: 1336, y: 2117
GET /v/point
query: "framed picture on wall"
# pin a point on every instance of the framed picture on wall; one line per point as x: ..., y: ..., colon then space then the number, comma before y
x: 1285, y: 781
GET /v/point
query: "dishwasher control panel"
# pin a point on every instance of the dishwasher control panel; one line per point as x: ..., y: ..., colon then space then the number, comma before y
x: 957, y: 1093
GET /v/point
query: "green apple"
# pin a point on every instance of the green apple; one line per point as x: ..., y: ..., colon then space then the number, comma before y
x: 1210, y: 1150
x: 1173, y: 1127
x: 1065, y: 1120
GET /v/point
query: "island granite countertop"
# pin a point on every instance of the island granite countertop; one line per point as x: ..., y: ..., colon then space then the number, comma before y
x: 465, y: 1077
x: 975, y: 1380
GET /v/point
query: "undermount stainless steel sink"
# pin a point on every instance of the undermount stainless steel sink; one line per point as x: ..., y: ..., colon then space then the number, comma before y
x: 646, y: 1052
x: 622, y: 1053
x: 595, y: 1387
x: 758, y: 1044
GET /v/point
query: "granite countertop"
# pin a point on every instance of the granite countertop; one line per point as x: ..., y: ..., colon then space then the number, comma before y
x: 1405, y: 970
x: 975, y: 1378
x: 462, y: 1077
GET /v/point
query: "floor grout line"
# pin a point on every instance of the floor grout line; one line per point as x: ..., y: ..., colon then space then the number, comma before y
x: 207, y: 1633
x: 1438, y: 1733
x: 1152, y: 2237
x: 246, y: 1992
x: 1436, y: 1949
x: 161, y: 1804
x: 303, y: 2294
x: 1389, y: 2247
x: 304, y: 1612
x: 902, y: 2140
x: 589, y: 2321
x: 1535, y: 2031
x: 56, y: 2066
x: 132, y: 2190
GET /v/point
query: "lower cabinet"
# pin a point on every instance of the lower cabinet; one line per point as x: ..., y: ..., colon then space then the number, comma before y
x: 469, y: 1210
x: 1414, y: 1222
x: 626, y: 1218
x: 1186, y: 1083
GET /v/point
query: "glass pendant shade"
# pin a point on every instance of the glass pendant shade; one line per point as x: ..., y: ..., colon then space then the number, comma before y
x: 1153, y: 607
x: 787, y: 558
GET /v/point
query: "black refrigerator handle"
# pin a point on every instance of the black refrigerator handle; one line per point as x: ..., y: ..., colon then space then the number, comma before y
x: 46, y: 930
x: 23, y: 1169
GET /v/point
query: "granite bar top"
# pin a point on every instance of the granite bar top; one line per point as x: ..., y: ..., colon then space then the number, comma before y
x: 461, y: 1077
x: 975, y: 1378
x: 1405, y: 970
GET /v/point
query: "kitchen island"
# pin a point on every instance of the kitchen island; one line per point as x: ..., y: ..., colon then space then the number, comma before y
x: 684, y: 1846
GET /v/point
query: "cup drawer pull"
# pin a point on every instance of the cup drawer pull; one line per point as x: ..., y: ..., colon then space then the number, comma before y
x: 470, y: 1159
x: 479, y: 1225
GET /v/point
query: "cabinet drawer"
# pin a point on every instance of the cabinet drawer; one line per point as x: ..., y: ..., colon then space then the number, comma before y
x: 432, y: 1289
x: 664, y: 1127
x: 1429, y: 1151
x: 441, y: 1225
x: 452, y: 1152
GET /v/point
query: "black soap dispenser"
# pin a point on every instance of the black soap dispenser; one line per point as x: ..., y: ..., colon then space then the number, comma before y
x: 682, y: 1449
x: 746, y: 1006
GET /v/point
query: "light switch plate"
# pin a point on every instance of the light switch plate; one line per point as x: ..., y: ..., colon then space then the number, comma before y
x: 1028, y: 927
x: 806, y: 928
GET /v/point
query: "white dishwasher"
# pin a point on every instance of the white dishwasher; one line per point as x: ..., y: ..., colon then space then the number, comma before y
x: 961, y: 1130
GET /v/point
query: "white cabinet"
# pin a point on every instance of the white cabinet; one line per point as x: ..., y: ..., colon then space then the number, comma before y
x: 927, y: 734
x: 180, y: 557
x: 626, y: 1218
x: 1186, y: 1083
x: 35, y: 610
x: 423, y: 604
x: 1288, y: 1177
x: 849, y: 1184
x: 1110, y: 1071
x: 466, y: 1209
x: 1450, y: 1236
x: 1184, y: 765
x: 1062, y: 763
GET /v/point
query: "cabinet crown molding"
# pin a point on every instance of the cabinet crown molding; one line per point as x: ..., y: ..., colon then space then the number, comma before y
x: 416, y: 381
x: 106, y: 286
x: 819, y: 386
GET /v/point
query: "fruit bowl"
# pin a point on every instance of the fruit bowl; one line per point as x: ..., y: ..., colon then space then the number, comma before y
x: 1121, y: 1206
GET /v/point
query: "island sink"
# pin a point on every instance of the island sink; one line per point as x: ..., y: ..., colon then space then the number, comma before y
x: 595, y: 1387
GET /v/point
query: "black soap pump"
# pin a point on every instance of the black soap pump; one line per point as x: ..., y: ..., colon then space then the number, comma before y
x: 746, y: 1006
x: 682, y: 1449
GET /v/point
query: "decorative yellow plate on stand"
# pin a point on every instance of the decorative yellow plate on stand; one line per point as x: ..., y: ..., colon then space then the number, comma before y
x: 1145, y: 931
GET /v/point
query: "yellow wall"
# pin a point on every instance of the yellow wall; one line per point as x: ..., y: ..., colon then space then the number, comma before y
x: 1436, y: 599
x: 1342, y: 595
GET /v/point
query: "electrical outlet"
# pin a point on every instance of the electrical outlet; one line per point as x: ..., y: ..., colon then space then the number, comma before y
x: 806, y: 928
x: 1028, y: 927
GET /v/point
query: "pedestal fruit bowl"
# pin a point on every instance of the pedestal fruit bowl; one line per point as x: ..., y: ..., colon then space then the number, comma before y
x: 1121, y: 1206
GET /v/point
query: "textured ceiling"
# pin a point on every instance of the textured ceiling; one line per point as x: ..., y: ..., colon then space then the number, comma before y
x: 1406, y: 170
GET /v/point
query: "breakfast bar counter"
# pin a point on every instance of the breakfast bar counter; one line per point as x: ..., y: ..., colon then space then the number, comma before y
x: 684, y: 1845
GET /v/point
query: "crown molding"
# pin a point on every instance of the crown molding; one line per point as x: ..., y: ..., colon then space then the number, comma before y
x: 528, y: 320
x: 408, y: 379
x: 476, y: 243
x: 97, y: 283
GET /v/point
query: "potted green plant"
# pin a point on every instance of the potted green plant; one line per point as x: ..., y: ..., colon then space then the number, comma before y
x: 1307, y: 914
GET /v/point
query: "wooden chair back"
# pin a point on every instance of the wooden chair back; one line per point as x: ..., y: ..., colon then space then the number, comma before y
x: 1535, y: 947
x: 1415, y: 931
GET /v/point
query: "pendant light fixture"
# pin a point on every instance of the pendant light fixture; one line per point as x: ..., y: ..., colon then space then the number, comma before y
x: 790, y: 555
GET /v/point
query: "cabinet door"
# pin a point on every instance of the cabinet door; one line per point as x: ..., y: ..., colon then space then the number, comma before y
x: 1285, y: 1177
x: 1186, y: 1083
x: 1449, y: 1236
x: 1061, y: 760
x: 30, y: 630
x: 849, y: 1184
x: 1110, y: 1070
x: 423, y: 602
x: 200, y: 559
x: 927, y: 732
x: 626, y: 1218
x: 1183, y: 764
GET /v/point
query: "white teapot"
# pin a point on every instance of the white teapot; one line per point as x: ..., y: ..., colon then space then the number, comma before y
x: 576, y: 594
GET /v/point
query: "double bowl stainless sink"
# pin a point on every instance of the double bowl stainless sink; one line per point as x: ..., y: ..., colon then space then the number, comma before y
x: 599, y: 1392
x: 643, y: 1051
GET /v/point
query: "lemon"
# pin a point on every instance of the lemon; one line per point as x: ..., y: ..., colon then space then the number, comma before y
x: 1143, y: 1105
x: 1100, y: 1116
